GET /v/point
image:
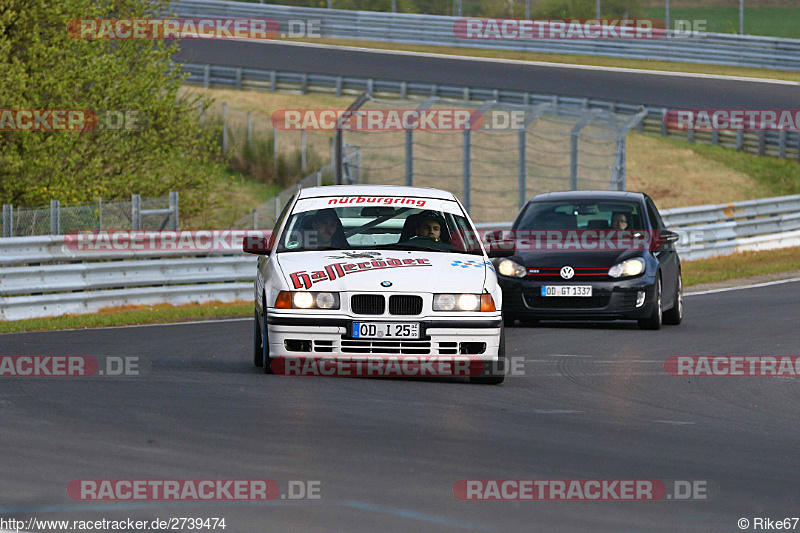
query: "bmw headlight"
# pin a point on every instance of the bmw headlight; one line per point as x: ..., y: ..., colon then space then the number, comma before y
x: 307, y: 300
x: 510, y: 268
x: 631, y: 267
x: 463, y: 302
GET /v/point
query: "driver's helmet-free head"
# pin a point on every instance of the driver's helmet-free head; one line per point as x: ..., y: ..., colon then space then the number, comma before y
x: 427, y: 221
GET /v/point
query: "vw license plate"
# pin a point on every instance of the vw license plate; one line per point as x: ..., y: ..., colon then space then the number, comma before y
x: 567, y: 290
x: 385, y: 330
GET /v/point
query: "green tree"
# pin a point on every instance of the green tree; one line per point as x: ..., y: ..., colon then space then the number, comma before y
x: 45, y: 68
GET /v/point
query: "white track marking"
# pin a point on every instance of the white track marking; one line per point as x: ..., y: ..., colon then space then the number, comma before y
x: 531, y: 63
x: 742, y: 287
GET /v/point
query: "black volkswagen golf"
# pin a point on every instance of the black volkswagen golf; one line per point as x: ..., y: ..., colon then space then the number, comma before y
x: 595, y: 255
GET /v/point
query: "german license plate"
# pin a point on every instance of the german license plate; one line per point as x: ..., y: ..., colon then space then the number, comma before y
x: 567, y: 290
x: 385, y: 330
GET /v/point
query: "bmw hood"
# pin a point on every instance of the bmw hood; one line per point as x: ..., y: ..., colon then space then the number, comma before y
x: 384, y: 271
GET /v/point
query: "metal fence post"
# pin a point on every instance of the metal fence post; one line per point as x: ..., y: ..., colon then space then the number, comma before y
x: 99, y: 214
x: 664, y: 131
x: 255, y: 218
x: 409, y: 157
x: 249, y: 129
x: 739, y: 139
x: 782, y: 144
x: 762, y: 142
x: 338, y: 86
x: 136, y: 212
x: 173, y: 205
x: 797, y: 134
x: 319, y: 178
x: 207, y: 76
x: 304, y: 83
x: 303, y: 162
x: 275, y: 152
x: 239, y: 79
x: 224, y: 128
x: 522, y: 167
x: 618, y: 173
x: 403, y: 90
x: 467, y: 169
x: 8, y: 220
x: 55, y: 217
x: 715, y: 137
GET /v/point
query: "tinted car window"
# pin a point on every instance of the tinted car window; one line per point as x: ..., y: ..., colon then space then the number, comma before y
x: 579, y: 215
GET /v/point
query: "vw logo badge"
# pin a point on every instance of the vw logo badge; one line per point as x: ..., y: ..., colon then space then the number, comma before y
x: 567, y: 272
x: 386, y: 283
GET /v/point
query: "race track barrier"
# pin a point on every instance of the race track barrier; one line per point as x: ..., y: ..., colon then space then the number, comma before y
x: 43, y: 276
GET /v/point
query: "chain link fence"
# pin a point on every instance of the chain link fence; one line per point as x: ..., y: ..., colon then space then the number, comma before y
x: 135, y: 214
x: 518, y: 151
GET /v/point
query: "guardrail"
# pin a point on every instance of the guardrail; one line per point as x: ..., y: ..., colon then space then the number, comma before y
x: 783, y: 144
x: 709, y: 48
x: 724, y: 229
x: 42, y: 276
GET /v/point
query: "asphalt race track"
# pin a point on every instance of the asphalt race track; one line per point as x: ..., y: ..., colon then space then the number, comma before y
x: 595, y: 403
x: 669, y: 90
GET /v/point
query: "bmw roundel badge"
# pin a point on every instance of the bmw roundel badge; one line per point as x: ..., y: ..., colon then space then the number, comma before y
x: 386, y: 283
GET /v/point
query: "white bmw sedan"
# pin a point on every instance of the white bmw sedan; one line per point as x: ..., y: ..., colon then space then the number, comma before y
x: 377, y: 273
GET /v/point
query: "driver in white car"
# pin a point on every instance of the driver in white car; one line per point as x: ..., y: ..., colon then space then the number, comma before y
x: 430, y: 227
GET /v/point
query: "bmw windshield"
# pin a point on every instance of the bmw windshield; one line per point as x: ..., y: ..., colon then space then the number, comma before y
x: 436, y: 226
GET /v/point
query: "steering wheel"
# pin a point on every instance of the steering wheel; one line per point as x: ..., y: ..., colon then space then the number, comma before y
x: 423, y: 238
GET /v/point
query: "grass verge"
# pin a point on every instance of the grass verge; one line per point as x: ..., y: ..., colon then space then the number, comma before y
x: 131, y: 315
x: 772, y: 21
x: 741, y: 265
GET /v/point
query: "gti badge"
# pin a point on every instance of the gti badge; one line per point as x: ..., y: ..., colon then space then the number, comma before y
x: 567, y: 272
x: 386, y: 283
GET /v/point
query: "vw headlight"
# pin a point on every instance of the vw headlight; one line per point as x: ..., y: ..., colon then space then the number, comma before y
x: 631, y: 267
x: 510, y: 268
